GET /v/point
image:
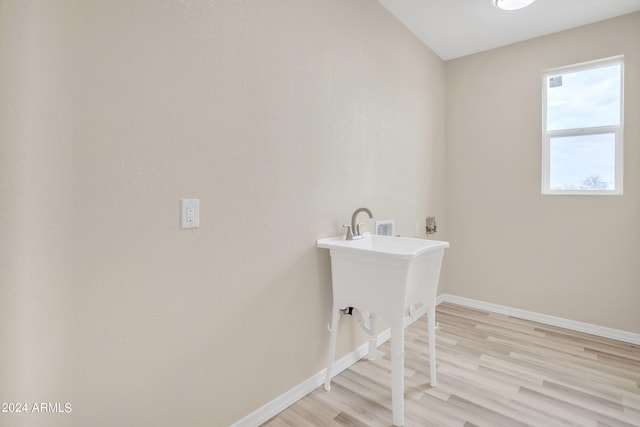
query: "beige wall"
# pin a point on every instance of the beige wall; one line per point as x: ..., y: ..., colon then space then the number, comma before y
x: 576, y: 257
x: 282, y: 117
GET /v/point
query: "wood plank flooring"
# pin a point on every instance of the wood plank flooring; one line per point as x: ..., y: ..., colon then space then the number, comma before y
x: 493, y: 370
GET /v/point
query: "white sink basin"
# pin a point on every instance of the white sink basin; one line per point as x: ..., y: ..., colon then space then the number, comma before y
x: 384, y: 275
x: 394, y: 247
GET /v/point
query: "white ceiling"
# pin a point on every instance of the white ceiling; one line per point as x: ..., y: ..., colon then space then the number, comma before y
x: 455, y: 28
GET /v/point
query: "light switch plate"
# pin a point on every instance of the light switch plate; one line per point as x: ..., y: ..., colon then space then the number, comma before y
x: 190, y: 213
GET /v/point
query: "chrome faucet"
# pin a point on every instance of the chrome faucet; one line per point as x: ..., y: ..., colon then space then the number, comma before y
x: 353, y: 230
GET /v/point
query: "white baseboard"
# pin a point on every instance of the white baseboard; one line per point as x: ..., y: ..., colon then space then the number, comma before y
x: 287, y: 399
x: 282, y: 402
x: 601, y: 331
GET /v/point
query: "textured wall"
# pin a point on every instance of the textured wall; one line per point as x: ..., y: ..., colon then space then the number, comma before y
x: 570, y: 256
x: 281, y: 116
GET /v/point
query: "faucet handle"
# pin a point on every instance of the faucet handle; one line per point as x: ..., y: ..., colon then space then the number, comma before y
x: 349, y: 232
x: 358, y: 228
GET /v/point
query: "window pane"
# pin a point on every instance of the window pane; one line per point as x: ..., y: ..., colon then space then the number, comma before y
x: 582, y: 99
x: 585, y: 162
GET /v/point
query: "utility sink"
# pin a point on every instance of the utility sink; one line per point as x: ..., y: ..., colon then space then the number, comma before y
x: 387, y: 246
x: 385, y: 275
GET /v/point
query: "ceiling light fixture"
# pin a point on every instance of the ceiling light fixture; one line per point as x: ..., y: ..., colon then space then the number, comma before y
x: 512, y: 4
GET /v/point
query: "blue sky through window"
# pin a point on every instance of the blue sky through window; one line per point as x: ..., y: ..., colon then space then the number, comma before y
x: 579, y: 100
x: 576, y: 159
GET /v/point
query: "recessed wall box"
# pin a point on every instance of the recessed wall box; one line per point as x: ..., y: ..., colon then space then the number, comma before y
x: 385, y: 227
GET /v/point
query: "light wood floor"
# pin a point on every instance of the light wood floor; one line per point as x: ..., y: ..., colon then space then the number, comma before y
x: 493, y: 370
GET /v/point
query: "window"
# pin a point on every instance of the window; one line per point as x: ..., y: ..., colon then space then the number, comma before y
x: 582, y: 128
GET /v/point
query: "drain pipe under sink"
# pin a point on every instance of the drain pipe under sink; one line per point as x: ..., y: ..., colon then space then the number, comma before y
x: 370, y: 329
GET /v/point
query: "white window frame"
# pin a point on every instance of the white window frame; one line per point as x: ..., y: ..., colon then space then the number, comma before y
x: 616, y: 130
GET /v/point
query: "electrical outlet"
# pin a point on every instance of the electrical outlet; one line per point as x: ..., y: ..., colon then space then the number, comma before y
x: 190, y: 213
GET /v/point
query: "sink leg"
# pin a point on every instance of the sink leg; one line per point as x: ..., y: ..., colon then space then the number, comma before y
x: 373, y: 338
x: 335, y: 318
x: 431, y: 324
x: 397, y: 372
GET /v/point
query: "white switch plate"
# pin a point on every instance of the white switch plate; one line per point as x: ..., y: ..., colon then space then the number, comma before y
x: 190, y: 213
